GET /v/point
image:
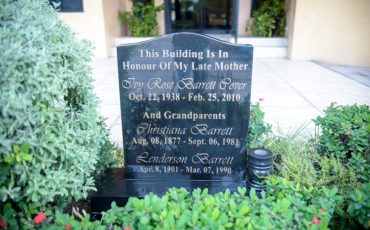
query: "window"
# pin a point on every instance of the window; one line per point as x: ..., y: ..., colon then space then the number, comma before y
x: 255, y: 5
x: 69, y: 5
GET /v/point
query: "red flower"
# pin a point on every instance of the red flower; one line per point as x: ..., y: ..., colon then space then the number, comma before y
x: 335, y: 103
x: 39, y: 217
x: 322, y: 210
x: 261, y: 99
x: 316, y: 220
x: 2, y: 223
x: 68, y: 226
x: 127, y: 228
x: 347, y: 133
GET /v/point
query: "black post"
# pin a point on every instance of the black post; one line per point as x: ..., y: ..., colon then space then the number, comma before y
x: 235, y: 19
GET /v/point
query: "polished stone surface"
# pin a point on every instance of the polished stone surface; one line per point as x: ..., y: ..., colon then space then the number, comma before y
x: 294, y: 92
x: 185, y: 108
x: 112, y: 186
x: 185, y: 102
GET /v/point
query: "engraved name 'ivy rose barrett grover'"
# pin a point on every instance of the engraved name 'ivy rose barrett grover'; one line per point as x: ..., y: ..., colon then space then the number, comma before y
x: 185, y: 108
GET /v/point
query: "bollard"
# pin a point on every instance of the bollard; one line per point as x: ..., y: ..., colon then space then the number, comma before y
x: 259, y: 164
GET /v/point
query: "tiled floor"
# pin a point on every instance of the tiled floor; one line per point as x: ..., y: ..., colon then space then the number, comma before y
x: 294, y: 92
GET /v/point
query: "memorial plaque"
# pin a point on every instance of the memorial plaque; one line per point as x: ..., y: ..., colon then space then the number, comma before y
x: 185, y: 113
x: 185, y: 108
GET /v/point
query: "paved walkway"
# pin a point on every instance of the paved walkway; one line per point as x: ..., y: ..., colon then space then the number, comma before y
x: 293, y: 91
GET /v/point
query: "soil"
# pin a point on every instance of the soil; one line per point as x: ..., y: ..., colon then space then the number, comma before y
x: 79, y: 206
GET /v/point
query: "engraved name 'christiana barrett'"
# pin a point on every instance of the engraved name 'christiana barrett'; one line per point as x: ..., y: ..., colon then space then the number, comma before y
x: 198, y: 129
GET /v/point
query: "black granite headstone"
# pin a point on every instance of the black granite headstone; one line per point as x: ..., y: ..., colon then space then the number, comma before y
x: 185, y: 112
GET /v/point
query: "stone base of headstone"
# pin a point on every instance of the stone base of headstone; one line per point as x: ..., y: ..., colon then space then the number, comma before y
x: 112, y: 186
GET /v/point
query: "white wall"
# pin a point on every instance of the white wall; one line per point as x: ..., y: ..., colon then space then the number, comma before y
x: 98, y: 23
x: 334, y: 31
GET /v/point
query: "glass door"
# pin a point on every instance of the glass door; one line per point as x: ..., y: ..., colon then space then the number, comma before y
x: 199, y: 16
x: 218, y: 16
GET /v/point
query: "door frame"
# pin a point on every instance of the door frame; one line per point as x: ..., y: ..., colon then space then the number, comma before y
x: 234, y: 20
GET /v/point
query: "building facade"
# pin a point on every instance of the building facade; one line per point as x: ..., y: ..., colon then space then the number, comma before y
x: 333, y: 31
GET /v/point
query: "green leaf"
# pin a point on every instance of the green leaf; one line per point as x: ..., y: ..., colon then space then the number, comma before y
x: 138, y: 204
x: 333, y: 192
x: 144, y: 220
x: 160, y: 205
x: 359, y: 196
x: 252, y: 193
x: 9, y: 159
x: 285, y: 204
x: 25, y: 147
x: 326, y: 191
x: 181, y: 222
x: 358, y: 206
x: 15, y: 148
x: 163, y: 214
x: 215, y: 213
x: 194, y: 217
x: 26, y: 157
x: 288, y: 215
x: 232, y: 205
x: 324, y: 223
x: 244, y: 210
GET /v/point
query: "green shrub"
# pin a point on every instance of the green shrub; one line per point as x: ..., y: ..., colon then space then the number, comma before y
x: 345, y: 136
x: 268, y: 19
x: 258, y: 130
x: 47, y: 107
x: 295, y: 159
x: 142, y: 21
x: 178, y: 210
x: 307, y: 160
x: 359, y: 207
x: 286, y: 205
x: 118, y: 156
x: 344, y: 130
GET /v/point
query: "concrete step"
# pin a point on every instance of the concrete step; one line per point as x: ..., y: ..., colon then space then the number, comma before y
x: 267, y: 47
x: 129, y: 40
x: 263, y: 47
x: 264, y: 42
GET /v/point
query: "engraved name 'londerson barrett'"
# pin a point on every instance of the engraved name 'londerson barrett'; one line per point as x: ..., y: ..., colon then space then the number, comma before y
x: 145, y: 158
x: 199, y: 158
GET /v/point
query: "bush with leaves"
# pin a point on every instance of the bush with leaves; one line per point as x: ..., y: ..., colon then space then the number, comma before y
x: 344, y: 130
x: 142, y: 21
x: 269, y: 19
x: 285, y: 206
x: 359, y: 207
x: 330, y: 159
x: 345, y: 135
x: 51, y: 136
x: 200, y: 210
x: 258, y: 130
